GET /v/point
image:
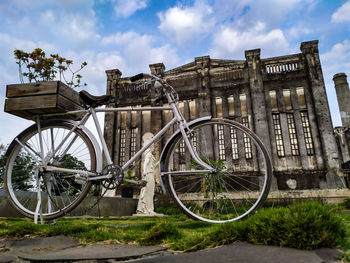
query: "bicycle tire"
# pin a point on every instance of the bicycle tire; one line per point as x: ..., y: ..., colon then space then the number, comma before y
x: 238, y: 188
x: 60, y: 192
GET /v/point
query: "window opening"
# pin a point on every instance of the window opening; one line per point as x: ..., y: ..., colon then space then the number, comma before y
x: 122, y: 147
x: 273, y: 100
x: 192, y: 105
x: 301, y: 97
x: 221, y: 138
x: 278, y: 134
x: 182, y: 152
x: 246, y: 139
x: 292, y: 134
x: 133, y: 141
x: 243, y: 100
x: 287, y: 100
x: 218, y: 102
x: 234, y: 143
x: 307, y: 133
x: 231, y: 106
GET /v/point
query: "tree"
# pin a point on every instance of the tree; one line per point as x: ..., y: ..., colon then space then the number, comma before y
x: 64, y: 184
x: 22, y: 172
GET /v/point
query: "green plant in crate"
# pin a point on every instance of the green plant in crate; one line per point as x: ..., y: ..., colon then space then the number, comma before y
x: 38, y: 67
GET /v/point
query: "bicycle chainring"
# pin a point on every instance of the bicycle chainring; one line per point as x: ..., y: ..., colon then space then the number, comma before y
x: 117, y: 176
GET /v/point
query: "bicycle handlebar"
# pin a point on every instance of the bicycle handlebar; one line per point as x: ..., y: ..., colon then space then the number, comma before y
x: 165, y: 86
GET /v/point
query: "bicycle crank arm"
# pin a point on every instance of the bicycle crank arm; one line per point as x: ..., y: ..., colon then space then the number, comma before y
x: 132, y: 181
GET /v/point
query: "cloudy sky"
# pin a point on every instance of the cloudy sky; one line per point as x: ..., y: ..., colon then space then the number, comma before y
x: 131, y: 34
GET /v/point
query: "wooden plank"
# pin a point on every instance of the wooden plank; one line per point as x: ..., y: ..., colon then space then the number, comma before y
x: 42, y: 88
x: 66, y: 104
x: 31, y: 89
x: 69, y: 93
x: 30, y: 103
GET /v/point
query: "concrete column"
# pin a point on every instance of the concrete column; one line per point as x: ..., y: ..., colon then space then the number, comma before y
x: 204, y: 92
x: 258, y: 101
x: 156, y: 116
x: 204, y: 98
x: 343, y: 95
x: 157, y: 69
x: 343, y: 142
x: 259, y: 113
x: 323, y: 118
x: 113, y: 77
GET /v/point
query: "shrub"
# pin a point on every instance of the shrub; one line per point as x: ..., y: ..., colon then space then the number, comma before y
x: 346, y: 203
x: 170, y: 209
x: 303, y: 225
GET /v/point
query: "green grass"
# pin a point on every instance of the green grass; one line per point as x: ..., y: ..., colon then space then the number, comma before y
x: 346, y: 243
x: 305, y: 226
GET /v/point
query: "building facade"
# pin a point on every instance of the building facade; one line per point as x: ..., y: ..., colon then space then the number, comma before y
x: 282, y: 99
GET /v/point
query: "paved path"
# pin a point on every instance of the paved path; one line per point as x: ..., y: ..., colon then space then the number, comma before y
x: 63, y: 249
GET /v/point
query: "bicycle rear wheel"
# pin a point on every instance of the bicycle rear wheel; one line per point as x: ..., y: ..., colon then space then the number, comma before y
x: 242, y: 177
x: 60, y: 192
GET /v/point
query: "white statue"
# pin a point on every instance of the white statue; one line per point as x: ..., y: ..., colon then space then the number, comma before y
x: 145, y: 206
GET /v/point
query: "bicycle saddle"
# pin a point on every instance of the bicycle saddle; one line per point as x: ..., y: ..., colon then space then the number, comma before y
x: 95, y: 101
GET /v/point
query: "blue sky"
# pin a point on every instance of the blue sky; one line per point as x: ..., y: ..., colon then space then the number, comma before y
x: 131, y: 34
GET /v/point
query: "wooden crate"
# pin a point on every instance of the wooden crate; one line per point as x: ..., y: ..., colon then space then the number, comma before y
x: 31, y: 99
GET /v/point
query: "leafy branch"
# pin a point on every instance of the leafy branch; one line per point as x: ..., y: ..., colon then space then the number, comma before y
x: 38, y: 67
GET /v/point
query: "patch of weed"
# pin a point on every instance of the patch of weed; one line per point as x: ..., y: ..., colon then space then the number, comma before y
x: 159, y: 232
x: 21, y: 229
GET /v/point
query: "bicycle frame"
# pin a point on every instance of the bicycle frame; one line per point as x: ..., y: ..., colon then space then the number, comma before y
x: 177, y: 119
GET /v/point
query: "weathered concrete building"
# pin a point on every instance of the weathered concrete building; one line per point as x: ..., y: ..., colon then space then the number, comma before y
x: 282, y: 99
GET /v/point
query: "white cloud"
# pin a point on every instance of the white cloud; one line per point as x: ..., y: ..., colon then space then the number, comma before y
x: 338, y: 58
x: 299, y: 30
x: 342, y: 14
x: 95, y: 72
x: 126, y: 8
x: 139, y: 51
x: 77, y: 31
x: 70, y: 22
x: 185, y: 23
x: 230, y: 42
x: 335, y: 61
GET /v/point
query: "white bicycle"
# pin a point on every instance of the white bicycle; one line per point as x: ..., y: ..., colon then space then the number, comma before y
x: 52, y: 165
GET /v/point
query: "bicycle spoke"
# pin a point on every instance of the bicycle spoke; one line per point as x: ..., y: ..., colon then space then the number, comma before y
x: 59, y: 190
x: 226, y: 193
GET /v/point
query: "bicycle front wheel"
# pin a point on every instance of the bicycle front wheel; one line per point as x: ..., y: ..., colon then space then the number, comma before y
x: 242, y: 177
x: 60, y: 192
